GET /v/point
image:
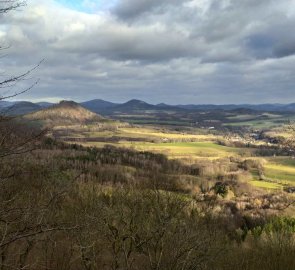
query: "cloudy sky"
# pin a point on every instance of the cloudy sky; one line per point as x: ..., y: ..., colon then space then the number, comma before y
x: 173, y: 51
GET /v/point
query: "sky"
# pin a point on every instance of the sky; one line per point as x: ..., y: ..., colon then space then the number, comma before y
x: 172, y: 51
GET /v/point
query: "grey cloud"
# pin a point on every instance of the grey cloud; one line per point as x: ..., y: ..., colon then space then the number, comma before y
x: 260, y: 45
x: 148, y: 45
x: 225, y: 33
x: 130, y: 9
x: 274, y: 41
x: 285, y: 40
x: 285, y: 50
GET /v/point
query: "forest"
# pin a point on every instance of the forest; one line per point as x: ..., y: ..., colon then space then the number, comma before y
x: 73, y: 207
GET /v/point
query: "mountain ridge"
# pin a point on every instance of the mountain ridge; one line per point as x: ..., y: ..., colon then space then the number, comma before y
x: 103, y: 106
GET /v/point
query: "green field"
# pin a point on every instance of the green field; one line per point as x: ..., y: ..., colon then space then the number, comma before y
x: 280, y: 173
x: 142, y: 133
x: 189, y: 146
x: 179, y: 150
x: 171, y: 143
x: 266, y: 185
x: 193, y: 144
x: 260, y: 121
x: 189, y: 150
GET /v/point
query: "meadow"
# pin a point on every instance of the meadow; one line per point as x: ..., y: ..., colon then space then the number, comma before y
x: 281, y: 170
x: 268, y: 121
x: 174, y: 144
x: 190, y: 145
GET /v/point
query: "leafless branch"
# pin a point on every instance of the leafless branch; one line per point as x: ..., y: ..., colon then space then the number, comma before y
x: 30, y: 234
x: 8, y: 5
x: 9, y: 82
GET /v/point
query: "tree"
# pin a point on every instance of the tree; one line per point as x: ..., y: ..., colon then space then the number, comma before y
x: 5, y: 7
x: 8, y: 5
x: 23, y: 218
x: 9, y: 144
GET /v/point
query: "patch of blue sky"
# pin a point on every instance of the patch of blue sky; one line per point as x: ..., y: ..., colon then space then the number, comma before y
x: 89, y: 6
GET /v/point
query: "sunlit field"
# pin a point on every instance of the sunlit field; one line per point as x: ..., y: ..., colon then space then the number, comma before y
x: 284, y: 174
x: 189, y: 146
x: 179, y: 150
x: 266, y: 185
x: 176, y: 145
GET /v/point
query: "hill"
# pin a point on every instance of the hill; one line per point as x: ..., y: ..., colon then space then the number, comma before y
x: 164, y: 105
x: 97, y: 105
x: 21, y: 108
x: 135, y: 105
x: 131, y: 106
x: 65, y: 113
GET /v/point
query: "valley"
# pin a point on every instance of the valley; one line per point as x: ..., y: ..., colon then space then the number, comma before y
x: 206, y: 173
x: 239, y: 134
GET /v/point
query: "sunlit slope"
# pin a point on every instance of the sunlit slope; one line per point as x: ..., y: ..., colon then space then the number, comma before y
x: 66, y: 113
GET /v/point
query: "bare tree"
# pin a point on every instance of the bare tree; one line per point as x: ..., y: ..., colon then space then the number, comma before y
x: 13, y: 80
x: 8, y: 5
x: 21, y: 219
x: 5, y: 7
x: 9, y: 144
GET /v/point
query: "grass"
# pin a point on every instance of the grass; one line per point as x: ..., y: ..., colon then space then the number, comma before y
x: 242, y: 117
x: 287, y: 161
x: 142, y: 134
x: 158, y: 122
x: 180, y: 150
x: 280, y: 169
x: 258, y: 120
x: 272, y: 121
x: 266, y: 185
x: 176, y: 145
x: 280, y: 173
x: 145, y: 132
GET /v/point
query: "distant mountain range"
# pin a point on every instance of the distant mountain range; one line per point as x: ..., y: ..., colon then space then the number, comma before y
x: 102, y: 106
x: 256, y: 107
x: 105, y: 107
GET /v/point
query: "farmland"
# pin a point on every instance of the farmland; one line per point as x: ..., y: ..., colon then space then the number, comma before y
x: 190, y: 145
x: 174, y: 144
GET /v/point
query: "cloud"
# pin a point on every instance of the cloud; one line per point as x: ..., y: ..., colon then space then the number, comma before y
x: 131, y: 9
x: 190, y: 51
